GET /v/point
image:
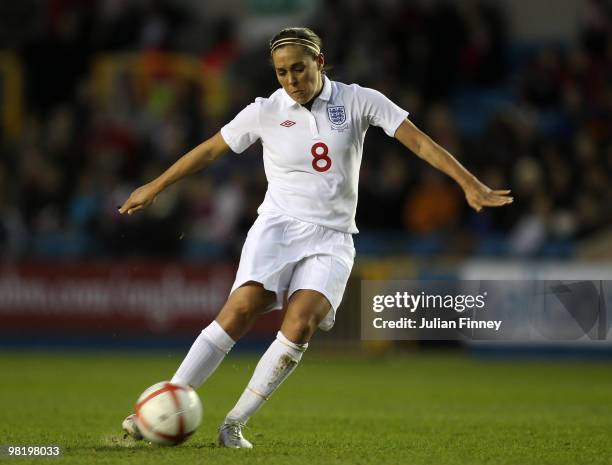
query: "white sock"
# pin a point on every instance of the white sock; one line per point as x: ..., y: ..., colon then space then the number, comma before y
x: 273, y: 368
x: 205, y: 355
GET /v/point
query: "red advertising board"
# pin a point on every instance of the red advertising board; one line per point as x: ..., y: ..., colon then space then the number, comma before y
x: 138, y: 297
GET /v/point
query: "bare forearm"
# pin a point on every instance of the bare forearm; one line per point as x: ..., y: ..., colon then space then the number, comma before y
x: 439, y: 158
x: 477, y: 194
x: 196, y: 159
x: 193, y: 161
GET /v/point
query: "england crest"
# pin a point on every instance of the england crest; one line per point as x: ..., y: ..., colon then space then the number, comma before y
x: 336, y: 115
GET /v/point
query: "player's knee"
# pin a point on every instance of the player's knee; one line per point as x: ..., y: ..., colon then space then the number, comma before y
x: 299, y: 328
x: 244, y: 308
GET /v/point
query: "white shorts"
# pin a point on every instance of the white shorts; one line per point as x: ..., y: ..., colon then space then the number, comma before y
x: 286, y: 254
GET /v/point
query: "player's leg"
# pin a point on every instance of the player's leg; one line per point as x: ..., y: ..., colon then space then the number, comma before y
x: 217, y: 339
x: 245, y: 303
x: 305, y: 311
x: 236, y: 317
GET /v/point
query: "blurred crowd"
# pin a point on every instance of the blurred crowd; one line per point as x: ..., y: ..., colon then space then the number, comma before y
x: 535, y: 118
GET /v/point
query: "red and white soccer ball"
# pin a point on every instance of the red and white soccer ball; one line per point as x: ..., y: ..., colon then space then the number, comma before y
x: 168, y: 413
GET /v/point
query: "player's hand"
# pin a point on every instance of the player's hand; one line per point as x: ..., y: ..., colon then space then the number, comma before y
x: 139, y: 199
x: 478, y: 196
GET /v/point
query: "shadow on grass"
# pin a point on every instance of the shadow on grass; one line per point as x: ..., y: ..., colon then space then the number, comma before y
x: 120, y: 443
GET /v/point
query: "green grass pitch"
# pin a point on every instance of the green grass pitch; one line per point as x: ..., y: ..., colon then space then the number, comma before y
x: 332, y: 410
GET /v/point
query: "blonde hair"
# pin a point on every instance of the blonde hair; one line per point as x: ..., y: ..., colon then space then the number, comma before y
x: 301, y: 36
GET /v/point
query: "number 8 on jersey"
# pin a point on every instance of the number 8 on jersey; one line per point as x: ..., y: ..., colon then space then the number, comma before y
x: 319, y: 151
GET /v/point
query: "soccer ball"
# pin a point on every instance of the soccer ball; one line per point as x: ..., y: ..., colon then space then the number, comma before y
x: 168, y: 413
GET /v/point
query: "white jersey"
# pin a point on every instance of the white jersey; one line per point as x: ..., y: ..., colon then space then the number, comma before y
x: 312, y: 158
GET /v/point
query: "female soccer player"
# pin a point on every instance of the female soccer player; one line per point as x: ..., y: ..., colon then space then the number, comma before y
x: 312, y: 131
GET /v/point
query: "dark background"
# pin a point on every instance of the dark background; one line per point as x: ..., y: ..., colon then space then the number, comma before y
x: 101, y: 96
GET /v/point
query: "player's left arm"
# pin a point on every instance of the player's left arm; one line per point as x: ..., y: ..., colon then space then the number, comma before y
x: 477, y: 194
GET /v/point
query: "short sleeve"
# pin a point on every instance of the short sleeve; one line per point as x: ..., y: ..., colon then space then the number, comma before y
x: 381, y: 111
x: 241, y: 132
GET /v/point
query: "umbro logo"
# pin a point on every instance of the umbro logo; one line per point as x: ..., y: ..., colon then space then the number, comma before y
x: 287, y: 123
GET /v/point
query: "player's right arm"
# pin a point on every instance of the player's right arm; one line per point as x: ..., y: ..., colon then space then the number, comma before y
x: 196, y: 159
